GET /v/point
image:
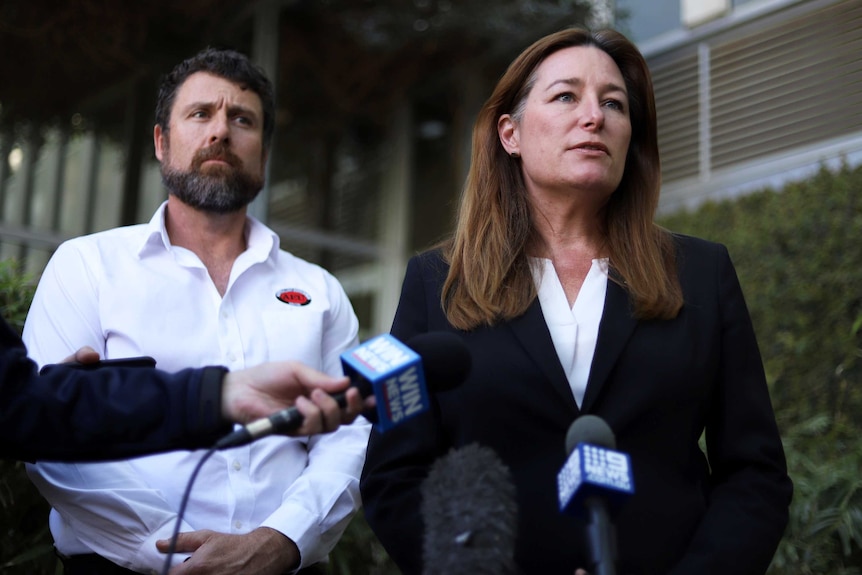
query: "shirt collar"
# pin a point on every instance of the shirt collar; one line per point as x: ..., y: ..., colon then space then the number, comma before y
x: 263, y: 243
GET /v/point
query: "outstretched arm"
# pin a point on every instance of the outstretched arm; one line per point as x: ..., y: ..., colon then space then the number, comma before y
x: 69, y: 414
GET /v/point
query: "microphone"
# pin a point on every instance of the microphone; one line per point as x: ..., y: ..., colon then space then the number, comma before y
x: 397, y: 374
x: 470, y: 514
x: 595, y: 481
x: 390, y: 370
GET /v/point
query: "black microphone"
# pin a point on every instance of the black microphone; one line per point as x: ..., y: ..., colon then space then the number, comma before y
x: 470, y: 514
x: 595, y: 481
x: 395, y: 373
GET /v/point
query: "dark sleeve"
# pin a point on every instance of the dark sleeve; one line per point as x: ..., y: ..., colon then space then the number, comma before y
x: 108, y: 413
x: 750, y: 490
x: 398, y: 460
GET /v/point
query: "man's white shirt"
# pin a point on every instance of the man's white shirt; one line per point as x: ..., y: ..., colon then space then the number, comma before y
x: 128, y: 292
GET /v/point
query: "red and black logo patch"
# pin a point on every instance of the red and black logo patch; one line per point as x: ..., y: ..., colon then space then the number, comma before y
x: 293, y: 296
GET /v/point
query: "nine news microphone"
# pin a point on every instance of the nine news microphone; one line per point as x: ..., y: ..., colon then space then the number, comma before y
x: 399, y: 376
x: 593, y: 483
x: 470, y: 514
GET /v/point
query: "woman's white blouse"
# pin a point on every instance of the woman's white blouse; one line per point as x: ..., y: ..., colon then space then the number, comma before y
x: 574, y: 330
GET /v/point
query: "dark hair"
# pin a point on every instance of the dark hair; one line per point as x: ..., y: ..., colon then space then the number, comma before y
x: 228, y: 64
x: 489, y: 276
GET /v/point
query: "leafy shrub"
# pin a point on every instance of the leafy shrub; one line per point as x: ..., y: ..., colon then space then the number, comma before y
x: 798, y: 253
x: 25, y: 543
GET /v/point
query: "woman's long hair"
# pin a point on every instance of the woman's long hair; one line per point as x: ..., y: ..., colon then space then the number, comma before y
x: 489, y: 276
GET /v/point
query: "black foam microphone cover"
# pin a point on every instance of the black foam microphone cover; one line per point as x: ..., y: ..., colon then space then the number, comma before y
x: 470, y: 514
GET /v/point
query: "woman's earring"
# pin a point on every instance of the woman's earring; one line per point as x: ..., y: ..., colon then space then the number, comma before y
x: 515, y: 155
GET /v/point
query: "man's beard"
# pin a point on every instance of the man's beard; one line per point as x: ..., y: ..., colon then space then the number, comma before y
x: 219, y: 190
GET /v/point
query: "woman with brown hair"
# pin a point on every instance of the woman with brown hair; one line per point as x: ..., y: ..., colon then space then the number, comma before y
x: 573, y: 301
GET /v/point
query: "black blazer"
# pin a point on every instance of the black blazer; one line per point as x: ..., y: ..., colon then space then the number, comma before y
x: 659, y: 384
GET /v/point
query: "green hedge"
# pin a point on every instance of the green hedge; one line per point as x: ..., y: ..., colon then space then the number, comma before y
x: 798, y: 253
x: 25, y: 542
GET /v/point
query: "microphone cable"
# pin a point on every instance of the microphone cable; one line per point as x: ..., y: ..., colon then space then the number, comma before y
x: 173, y: 545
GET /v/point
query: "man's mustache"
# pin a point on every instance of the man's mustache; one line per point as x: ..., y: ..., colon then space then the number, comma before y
x: 218, y: 151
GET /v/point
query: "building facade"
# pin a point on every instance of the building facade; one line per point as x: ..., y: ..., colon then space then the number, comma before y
x: 749, y: 94
x: 755, y: 94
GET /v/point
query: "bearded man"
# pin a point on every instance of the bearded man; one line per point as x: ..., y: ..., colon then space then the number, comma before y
x: 201, y: 284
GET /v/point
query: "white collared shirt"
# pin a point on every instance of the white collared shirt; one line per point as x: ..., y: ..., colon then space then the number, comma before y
x: 128, y: 292
x: 574, y: 330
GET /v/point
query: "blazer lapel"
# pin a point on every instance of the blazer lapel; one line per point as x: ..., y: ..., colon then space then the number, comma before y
x: 532, y: 331
x: 615, y: 329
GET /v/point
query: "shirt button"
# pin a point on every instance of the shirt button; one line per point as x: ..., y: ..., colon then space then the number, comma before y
x: 238, y: 524
x: 237, y: 465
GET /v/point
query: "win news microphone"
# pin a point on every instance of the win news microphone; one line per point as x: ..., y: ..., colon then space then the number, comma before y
x: 399, y: 376
x: 470, y: 514
x: 593, y: 483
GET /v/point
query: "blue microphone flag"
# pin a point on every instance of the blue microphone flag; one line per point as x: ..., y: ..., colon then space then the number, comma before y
x: 594, y: 471
x: 396, y: 375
